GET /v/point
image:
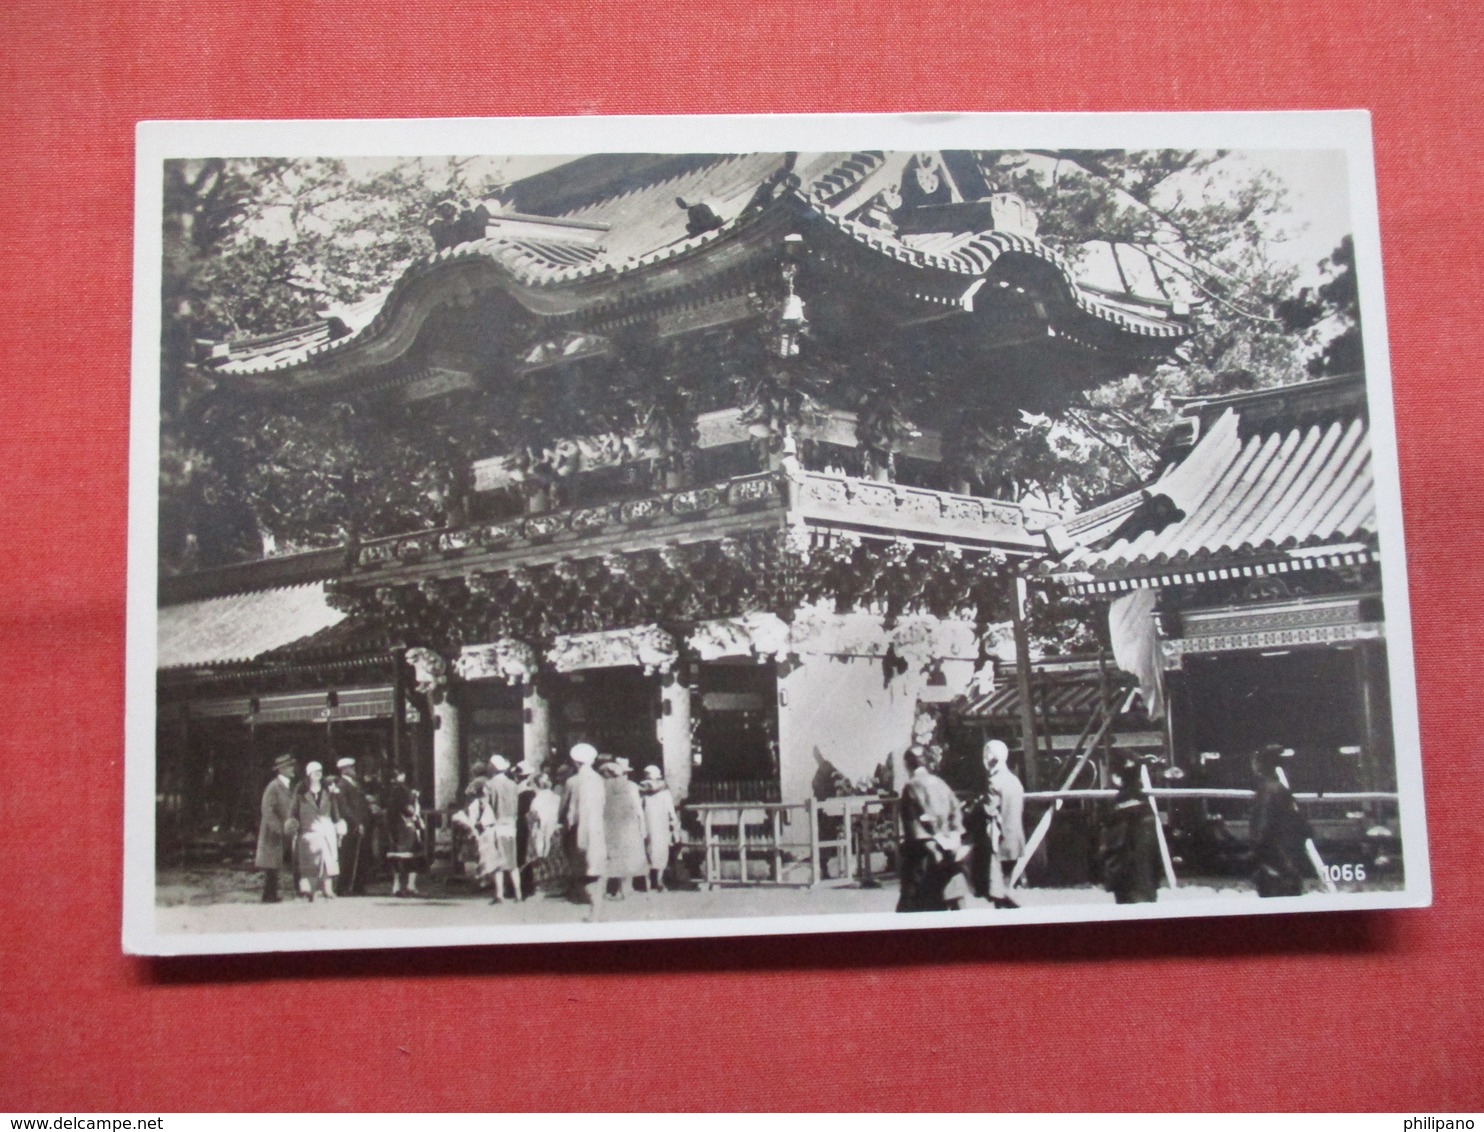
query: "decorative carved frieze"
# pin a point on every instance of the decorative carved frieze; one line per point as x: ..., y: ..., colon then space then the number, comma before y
x: 514, y: 662
x: 647, y: 646
x: 905, y: 511
x: 911, y: 510
x: 1174, y: 651
x: 763, y: 635
x: 759, y: 489
x: 1209, y: 623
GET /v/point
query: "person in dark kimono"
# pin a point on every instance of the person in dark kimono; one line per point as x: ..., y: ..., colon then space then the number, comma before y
x: 405, y: 838
x: 355, y: 846
x: 1130, y: 845
x: 274, y: 843
x: 582, y: 820
x: 933, y: 848
x: 1279, y: 832
x: 315, y: 820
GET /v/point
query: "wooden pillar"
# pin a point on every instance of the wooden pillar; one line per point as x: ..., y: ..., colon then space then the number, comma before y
x: 535, y: 726
x: 1375, y: 744
x: 445, y: 750
x: 674, y: 733
x: 1019, y: 598
x: 399, y: 713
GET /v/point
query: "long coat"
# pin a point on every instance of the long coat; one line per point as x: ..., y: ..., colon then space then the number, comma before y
x: 582, y: 815
x: 355, y: 811
x: 623, y: 821
x: 273, y: 846
x: 317, y: 849
x: 504, y: 799
x: 542, y: 820
x: 932, y: 831
x: 1006, y: 807
x: 661, y: 826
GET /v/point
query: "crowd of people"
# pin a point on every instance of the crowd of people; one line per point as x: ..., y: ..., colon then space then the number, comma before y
x: 594, y: 830
x: 598, y: 834
x: 944, y: 845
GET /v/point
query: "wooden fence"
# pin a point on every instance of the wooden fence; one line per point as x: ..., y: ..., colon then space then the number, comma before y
x: 796, y: 844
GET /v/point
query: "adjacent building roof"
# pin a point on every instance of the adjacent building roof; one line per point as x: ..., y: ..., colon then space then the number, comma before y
x: 240, y: 627
x: 1277, y: 480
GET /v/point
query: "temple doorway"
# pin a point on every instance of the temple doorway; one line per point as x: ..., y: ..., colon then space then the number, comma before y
x: 735, y: 716
x: 614, y: 709
x: 1308, y: 699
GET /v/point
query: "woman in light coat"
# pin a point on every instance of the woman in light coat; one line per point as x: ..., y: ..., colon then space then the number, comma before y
x: 623, y: 820
x: 315, y: 819
x: 661, y: 825
x: 504, y: 798
x: 477, y: 819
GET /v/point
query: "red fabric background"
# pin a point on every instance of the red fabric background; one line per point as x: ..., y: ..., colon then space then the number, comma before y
x: 1338, y: 1011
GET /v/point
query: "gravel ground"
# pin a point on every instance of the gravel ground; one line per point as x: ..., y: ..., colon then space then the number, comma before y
x: 226, y: 900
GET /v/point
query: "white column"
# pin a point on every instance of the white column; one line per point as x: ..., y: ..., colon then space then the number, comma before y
x: 674, y: 733
x: 536, y: 726
x: 445, y: 751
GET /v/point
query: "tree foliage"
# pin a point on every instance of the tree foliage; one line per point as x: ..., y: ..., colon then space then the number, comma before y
x: 255, y: 246
x: 1214, y: 227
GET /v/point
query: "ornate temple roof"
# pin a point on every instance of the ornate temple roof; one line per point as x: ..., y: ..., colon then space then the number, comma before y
x: 1278, y: 480
x: 600, y: 242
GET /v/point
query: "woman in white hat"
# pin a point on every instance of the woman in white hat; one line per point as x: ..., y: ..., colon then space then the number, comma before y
x: 504, y: 798
x: 623, y: 820
x: 661, y: 825
x: 317, y: 826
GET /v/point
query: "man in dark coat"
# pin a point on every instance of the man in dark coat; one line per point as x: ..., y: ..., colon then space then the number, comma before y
x: 355, y: 846
x: 1130, y: 844
x: 932, y: 848
x: 273, y: 855
x: 1279, y: 831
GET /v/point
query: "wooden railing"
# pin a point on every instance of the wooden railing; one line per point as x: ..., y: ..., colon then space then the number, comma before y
x: 796, y: 844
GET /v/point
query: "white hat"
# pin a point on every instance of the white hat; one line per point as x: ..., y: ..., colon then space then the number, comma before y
x: 310, y: 768
x: 499, y: 762
x: 996, y: 751
x: 584, y: 753
x: 652, y: 771
x: 345, y: 762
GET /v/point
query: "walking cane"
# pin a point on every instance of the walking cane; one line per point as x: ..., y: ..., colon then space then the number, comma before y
x: 355, y: 861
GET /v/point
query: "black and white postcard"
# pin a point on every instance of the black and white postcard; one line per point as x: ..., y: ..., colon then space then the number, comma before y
x: 630, y: 528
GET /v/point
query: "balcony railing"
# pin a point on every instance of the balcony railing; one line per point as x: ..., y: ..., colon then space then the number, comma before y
x: 664, y: 510
x: 836, y: 503
x: 895, y: 509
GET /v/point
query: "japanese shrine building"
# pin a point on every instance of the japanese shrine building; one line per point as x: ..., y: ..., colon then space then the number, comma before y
x: 1247, y: 577
x: 769, y: 571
